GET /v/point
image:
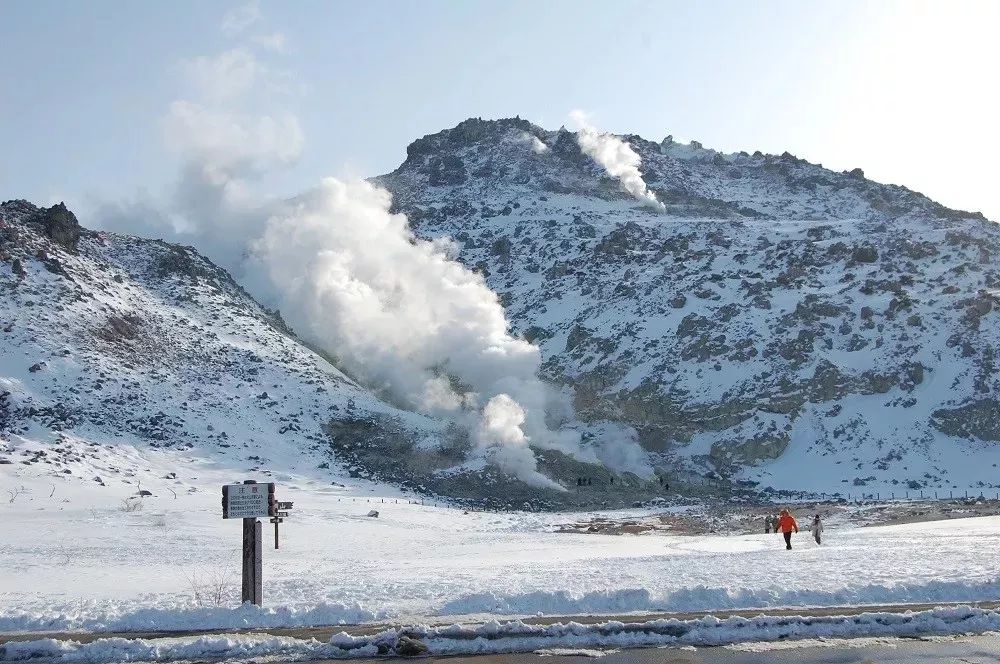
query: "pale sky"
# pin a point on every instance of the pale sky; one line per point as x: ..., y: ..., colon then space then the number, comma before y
x: 89, y: 91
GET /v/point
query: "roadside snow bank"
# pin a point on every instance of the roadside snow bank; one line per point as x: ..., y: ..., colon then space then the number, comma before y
x: 515, y: 636
x: 92, y: 617
x: 179, y: 619
x: 704, y: 598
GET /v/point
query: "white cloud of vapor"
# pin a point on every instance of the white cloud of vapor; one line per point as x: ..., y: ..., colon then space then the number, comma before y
x: 399, y: 311
x: 535, y: 143
x: 616, y: 157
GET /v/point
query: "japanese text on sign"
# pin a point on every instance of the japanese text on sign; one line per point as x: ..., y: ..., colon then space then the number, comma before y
x: 244, y: 501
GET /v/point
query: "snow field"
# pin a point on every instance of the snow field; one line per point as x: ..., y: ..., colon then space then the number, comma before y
x: 76, y: 561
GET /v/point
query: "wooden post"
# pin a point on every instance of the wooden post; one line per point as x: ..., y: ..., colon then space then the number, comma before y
x: 258, y: 566
x: 253, y: 583
x: 252, y: 567
x: 275, y: 533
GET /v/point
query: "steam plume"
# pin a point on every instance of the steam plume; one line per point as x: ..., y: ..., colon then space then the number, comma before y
x: 616, y: 157
x: 351, y: 276
x: 401, y: 313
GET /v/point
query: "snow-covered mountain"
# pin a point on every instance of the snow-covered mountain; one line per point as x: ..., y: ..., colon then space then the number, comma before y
x: 115, y: 345
x: 116, y: 349
x: 777, y: 321
x: 771, y: 321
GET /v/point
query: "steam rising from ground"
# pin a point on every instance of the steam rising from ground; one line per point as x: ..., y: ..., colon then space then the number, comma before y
x: 401, y: 313
x: 616, y: 157
x: 348, y: 274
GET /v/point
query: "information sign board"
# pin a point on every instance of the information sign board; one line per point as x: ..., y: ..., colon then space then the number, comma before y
x: 245, y: 501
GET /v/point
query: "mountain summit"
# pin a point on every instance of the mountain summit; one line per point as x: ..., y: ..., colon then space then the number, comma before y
x: 775, y: 321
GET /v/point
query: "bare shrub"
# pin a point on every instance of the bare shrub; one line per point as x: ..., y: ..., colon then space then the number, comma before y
x: 15, y: 492
x: 130, y: 504
x: 210, y: 588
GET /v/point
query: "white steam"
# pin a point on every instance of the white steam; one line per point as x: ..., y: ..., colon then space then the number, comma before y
x: 402, y: 314
x: 615, y: 156
x: 536, y: 144
x: 397, y: 310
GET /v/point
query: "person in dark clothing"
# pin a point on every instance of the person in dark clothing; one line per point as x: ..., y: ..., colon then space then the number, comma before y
x: 817, y: 529
x: 786, y: 525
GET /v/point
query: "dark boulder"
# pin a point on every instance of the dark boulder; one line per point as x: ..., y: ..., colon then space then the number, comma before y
x: 59, y: 224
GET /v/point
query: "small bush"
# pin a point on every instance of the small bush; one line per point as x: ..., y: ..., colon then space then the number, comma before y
x: 131, y: 504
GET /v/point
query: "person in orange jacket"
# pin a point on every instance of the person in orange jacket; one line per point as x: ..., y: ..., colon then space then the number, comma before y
x: 787, y: 524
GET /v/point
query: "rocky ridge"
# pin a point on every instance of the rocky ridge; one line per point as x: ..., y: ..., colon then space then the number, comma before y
x: 779, y: 322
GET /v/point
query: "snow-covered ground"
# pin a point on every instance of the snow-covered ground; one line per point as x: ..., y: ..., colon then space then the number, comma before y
x: 75, y: 560
x: 515, y: 636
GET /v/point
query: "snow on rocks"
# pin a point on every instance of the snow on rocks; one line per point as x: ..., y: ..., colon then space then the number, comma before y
x: 117, y: 348
x: 780, y: 323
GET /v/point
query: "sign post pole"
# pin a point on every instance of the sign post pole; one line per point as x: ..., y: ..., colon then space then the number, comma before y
x: 258, y: 563
x: 249, y: 559
x: 252, y: 563
x: 249, y: 501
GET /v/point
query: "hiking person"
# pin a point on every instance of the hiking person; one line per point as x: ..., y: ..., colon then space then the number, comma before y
x: 767, y: 524
x: 787, y: 524
x: 817, y: 529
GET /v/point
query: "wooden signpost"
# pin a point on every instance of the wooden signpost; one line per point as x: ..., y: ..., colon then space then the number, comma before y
x: 250, y: 501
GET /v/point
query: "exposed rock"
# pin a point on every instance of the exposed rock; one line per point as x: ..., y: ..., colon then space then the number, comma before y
x: 59, y: 224
x: 408, y: 646
x: 974, y: 419
x: 864, y: 254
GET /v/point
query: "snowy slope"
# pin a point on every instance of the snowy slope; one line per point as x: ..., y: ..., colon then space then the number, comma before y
x: 778, y: 322
x: 121, y: 354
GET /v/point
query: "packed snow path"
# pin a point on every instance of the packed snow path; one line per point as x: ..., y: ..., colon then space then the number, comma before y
x: 77, y: 561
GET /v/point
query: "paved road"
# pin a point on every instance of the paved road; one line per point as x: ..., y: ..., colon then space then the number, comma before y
x: 965, y: 649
